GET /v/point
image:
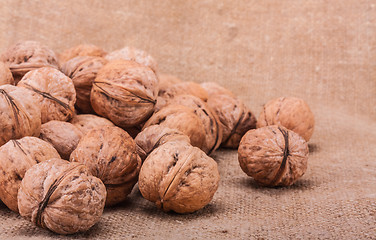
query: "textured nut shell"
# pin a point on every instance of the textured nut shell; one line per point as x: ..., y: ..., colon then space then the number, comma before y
x: 83, y: 70
x: 19, y: 113
x: 81, y: 50
x: 63, y: 136
x: 179, y: 177
x: 111, y: 155
x: 290, y: 112
x: 264, y: 155
x: 16, y: 157
x: 181, y: 118
x: 165, y: 81
x: 28, y: 55
x: 154, y: 136
x: 54, y: 91
x: 74, y: 198
x: 5, y: 75
x: 124, y: 92
x: 87, y: 122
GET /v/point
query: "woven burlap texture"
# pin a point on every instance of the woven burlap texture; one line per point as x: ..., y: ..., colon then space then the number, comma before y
x: 321, y: 51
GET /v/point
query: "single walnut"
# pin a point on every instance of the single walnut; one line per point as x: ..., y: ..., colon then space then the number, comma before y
x: 290, y: 112
x: 183, y: 119
x: 124, y: 92
x: 154, y: 136
x: 81, y: 50
x: 87, y: 122
x: 54, y: 91
x: 61, y: 196
x: 165, y: 81
x: 178, y: 177
x: 111, y: 155
x: 5, y: 75
x: 16, y: 157
x: 273, y: 155
x: 64, y: 136
x: 25, y: 56
x: 83, y: 70
x: 19, y: 113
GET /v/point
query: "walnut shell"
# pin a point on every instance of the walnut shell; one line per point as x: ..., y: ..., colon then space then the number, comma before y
x: 87, y: 122
x: 16, y: 157
x: 25, y: 56
x: 290, y: 112
x: 124, y: 92
x: 154, y: 136
x: 61, y: 196
x: 273, y: 155
x: 165, y: 81
x: 5, y: 75
x: 54, y: 91
x: 64, y: 136
x: 19, y: 113
x: 111, y: 155
x: 179, y: 177
x: 81, y: 50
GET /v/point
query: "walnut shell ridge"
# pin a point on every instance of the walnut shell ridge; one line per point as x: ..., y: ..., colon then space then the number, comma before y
x: 87, y: 122
x: 81, y: 50
x: 165, y: 81
x: 6, y: 76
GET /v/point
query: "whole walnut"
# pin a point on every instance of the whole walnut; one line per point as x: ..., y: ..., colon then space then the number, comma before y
x: 61, y: 196
x: 81, y: 50
x: 16, y: 157
x: 25, y: 56
x: 273, y: 155
x: 154, y: 136
x: 19, y: 113
x: 83, y: 70
x: 178, y: 177
x: 5, y: 75
x: 290, y: 112
x: 165, y: 81
x: 87, y: 122
x: 64, y: 136
x: 53, y: 90
x: 124, y: 92
x: 111, y: 155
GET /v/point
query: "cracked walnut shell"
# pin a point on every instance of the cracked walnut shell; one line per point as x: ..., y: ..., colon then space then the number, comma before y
x: 5, y: 75
x: 87, y: 122
x: 81, y: 50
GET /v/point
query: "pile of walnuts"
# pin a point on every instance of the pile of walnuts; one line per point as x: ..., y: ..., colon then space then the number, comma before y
x: 80, y: 129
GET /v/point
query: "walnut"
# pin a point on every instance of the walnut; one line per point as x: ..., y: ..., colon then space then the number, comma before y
x: 54, y: 91
x: 16, y: 157
x: 234, y: 117
x: 19, y: 113
x: 61, y: 196
x: 5, y: 75
x: 290, y: 112
x: 178, y: 177
x: 87, y: 122
x: 124, y: 92
x: 81, y: 50
x: 63, y: 136
x: 154, y: 136
x: 83, y: 70
x: 28, y: 55
x: 111, y: 155
x: 165, y: 81
x: 273, y: 155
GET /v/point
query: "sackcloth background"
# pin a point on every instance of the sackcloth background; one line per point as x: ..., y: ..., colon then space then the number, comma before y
x: 319, y: 50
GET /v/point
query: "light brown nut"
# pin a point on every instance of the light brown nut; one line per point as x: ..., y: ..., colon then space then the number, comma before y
x: 61, y: 196
x: 53, y: 90
x: 19, y: 113
x: 87, y: 122
x: 214, y: 89
x: 165, y: 81
x: 183, y: 119
x: 124, y: 92
x: 64, y: 136
x: 25, y: 56
x: 83, y: 70
x: 81, y: 50
x: 5, y: 75
x: 179, y: 177
x: 111, y: 155
x: 273, y: 155
x: 154, y: 136
x: 290, y: 112
x: 16, y: 157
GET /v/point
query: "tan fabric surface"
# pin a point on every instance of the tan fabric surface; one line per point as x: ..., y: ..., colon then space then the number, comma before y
x: 321, y: 51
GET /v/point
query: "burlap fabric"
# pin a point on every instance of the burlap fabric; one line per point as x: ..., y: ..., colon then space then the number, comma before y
x: 321, y: 51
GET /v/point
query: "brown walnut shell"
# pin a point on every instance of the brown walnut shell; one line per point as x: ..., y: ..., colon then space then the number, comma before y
x: 111, y: 155
x: 87, y: 122
x: 5, y: 75
x: 273, y: 155
x: 19, y: 113
x: 61, y: 196
x: 290, y: 112
x: 16, y: 157
x: 165, y: 81
x: 81, y: 50
x: 53, y: 90
x: 179, y: 177
x: 124, y: 92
